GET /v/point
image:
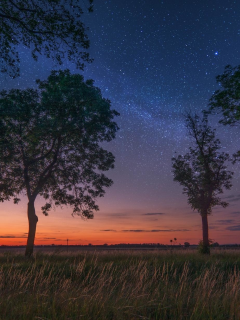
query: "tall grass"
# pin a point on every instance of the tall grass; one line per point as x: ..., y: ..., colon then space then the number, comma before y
x: 120, y: 285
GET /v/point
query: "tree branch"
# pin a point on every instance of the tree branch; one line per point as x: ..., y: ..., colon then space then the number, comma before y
x: 47, y: 172
x: 44, y: 156
x: 22, y: 9
x: 24, y: 25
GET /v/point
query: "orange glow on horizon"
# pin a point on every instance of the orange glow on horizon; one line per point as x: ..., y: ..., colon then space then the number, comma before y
x: 124, y: 226
x: 113, y: 238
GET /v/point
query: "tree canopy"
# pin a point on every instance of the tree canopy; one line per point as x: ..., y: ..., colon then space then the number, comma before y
x: 50, y: 143
x: 50, y: 27
x: 226, y: 100
x: 202, y: 171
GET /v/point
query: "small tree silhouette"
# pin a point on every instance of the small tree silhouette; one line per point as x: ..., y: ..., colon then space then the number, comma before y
x: 202, y: 172
x: 186, y: 244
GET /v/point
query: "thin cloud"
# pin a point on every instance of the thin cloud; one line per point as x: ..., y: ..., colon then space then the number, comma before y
x: 234, y: 228
x: 119, y: 215
x: 12, y: 237
x: 54, y: 239
x: 232, y: 198
x: 227, y: 221
x: 155, y: 230
x: 135, y: 230
x: 50, y: 238
x: 153, y: 214
x: 235, y: 212
x: 109, y: 230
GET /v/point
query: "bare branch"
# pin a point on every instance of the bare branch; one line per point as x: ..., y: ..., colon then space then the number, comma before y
x: 22, y: 9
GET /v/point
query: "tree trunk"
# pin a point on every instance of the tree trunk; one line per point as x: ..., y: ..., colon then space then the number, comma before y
x: 32, y: 223
x: 205, y: 233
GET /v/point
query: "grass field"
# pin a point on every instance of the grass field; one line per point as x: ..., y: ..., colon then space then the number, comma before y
x: 120, y: 285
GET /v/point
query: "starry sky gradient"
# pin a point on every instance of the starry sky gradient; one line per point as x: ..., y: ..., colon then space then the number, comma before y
x: 153, y: 60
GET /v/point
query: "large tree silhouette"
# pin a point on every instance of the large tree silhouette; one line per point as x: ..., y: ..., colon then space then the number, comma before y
x: 202, y: 171
x: 49, y: 145
x: 50, y: 27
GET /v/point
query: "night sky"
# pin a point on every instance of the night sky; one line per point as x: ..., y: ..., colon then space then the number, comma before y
x: 154, y: 60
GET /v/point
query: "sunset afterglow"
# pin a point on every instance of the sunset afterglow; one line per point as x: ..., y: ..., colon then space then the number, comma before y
x: 154, y: 61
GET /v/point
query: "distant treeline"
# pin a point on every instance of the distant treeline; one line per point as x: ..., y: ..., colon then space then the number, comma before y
x: 128, y: 246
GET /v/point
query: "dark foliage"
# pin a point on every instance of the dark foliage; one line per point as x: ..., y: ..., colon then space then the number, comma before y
x: 226, y: 100
x: 50, y: 27
x: 49, y: 143
x: 202, y: 172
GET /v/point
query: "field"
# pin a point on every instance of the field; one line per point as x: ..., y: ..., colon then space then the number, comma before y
x: 119, y: 285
